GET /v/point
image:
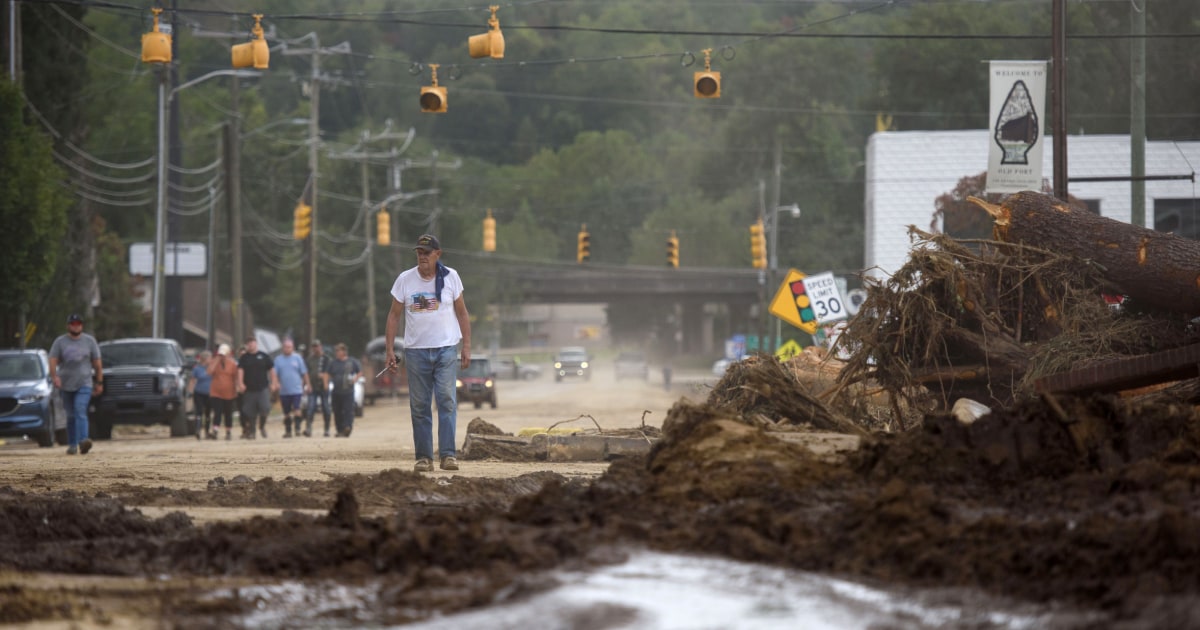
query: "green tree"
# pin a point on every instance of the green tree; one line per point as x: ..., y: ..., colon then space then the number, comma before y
x: 33, y: 211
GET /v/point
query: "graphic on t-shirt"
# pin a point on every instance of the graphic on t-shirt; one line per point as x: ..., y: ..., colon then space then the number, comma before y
x: 423, y: 303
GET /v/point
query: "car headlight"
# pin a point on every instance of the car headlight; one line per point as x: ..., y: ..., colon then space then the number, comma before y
x: 33, y: 396
x: 458, y: 382
x: 488, y: 383
x: 558, y: 365
x: 171, y: 384
x: 583, y: 365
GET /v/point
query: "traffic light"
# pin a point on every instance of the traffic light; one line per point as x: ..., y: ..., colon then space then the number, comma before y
x: 584, y: 251
x: 156, y: 45
x: 706, y: 83
x: 489, y: 233
x: 673, y: 250
x: 489, y: 44
x: 433, y: 97
x: 255, y: 52
x: 758, y: 245
x: 303, y: 223
x: 383, y: 228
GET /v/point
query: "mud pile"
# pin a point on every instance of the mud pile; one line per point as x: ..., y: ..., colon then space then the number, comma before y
x: 1090, y: 502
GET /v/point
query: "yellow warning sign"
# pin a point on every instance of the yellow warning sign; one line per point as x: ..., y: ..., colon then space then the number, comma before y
x: 788, y: 350
x: 785, y: 305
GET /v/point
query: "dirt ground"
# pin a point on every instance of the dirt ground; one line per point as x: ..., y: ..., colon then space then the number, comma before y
x: 1089, y: 503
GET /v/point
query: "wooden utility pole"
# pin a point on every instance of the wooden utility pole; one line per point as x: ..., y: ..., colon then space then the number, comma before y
x: 1137, y: 112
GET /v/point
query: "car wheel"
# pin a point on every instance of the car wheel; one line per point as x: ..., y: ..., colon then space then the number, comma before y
x: 45, y: 437
x: 181, y: 423
x: 493, y: 401
x: 101, y: 429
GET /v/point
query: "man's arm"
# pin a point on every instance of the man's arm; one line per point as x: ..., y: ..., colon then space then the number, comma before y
x: 98, y: 376
x: 241, y: 384
x: 395, y: 315
x: 464, y: 325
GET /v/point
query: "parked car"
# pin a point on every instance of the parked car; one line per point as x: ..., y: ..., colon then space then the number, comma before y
x: 360, y: 386
x: 632, y: 365
x: 144, y: 383
x: 30, y: 405
x: 477, y: 384
x: 511, y: 368
x: 572, y: 361
x: 387, y: 384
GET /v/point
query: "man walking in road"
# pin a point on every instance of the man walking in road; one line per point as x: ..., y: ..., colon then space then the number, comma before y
x: 77, y: 372
x: 256, y: 381
x: 292, y: 372
x: 429, y: 299
x: 318, y: 367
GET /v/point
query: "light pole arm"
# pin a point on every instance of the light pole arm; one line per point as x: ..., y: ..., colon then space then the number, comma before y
x: 228, y: 72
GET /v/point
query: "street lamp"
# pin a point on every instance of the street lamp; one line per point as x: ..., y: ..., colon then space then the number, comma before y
x: 773, y: 251
x: 160, y: 225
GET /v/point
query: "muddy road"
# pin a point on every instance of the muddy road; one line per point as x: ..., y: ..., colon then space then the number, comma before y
x: 1087, y: 506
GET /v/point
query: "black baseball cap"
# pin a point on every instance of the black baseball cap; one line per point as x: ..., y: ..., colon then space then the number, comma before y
x: 74, y: 317
x: 428, y: 241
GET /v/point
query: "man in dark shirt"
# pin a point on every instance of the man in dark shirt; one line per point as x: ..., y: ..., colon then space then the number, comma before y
x: 342, y: 372
x: 256, y: 381
x: 318, y: 368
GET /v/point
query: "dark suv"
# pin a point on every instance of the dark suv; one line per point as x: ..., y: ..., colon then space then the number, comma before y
x: 144, y: 383
x: 477, y: 383
x: 572, y: 361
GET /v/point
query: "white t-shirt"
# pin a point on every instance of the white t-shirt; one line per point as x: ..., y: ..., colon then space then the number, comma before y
x: 429, y: 320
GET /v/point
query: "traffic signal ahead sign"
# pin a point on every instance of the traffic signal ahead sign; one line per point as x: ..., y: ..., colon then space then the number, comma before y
x: 787, y: 304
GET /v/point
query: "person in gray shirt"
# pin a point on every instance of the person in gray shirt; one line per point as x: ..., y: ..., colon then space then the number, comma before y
x: 77, y: 371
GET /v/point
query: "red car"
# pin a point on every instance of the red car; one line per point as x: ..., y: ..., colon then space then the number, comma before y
x: 477, y: 384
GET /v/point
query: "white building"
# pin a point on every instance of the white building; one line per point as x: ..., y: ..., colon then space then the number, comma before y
x: 907, y: 170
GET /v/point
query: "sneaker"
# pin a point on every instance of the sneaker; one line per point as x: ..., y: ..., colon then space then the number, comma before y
x: 308, y: 433
x: 71, y: 450
x: 288, y: 434
x: 264, y: 432
x: 449, y: 463
x: 199, y: 435
x: 228, y: 435
x: 85, y: 446
x: 326, y: 432
x: 423, y: 465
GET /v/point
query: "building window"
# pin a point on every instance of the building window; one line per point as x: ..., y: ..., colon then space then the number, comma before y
x: 1178, y: 216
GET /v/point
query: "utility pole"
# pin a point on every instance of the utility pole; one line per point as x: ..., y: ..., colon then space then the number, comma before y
x: 1137, y: 112
x: 773, y: 252
x: 14, y: 43
x: 1058, y: 100
x: 173, y: 311
x: 314, y: 138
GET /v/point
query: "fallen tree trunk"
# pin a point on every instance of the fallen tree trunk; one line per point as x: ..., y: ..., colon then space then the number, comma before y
x: 1157, y: 269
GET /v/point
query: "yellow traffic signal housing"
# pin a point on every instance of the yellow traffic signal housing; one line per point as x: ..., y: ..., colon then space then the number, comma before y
x: 489, y: 44
x: 584, y: 250
x: 489, y: 233
x: 156, y: 45
x: 758, y: 245
x: 673, y: 251
x: 255, y: 52
x: 707, y: 83
x: 383, y: 228
x: 433, y: 97
x: 302, y: 226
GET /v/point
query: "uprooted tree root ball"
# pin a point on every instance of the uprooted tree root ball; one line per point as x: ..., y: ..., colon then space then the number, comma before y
x: 984, y: 319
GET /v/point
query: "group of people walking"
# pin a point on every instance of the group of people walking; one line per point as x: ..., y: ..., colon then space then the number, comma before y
x: 250, y: 381
x: 428, y: 310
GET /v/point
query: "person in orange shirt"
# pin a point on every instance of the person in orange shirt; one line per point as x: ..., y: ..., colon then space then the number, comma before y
x: 223, y: 390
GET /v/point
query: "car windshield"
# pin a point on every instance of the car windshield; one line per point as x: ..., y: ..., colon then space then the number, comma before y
x: 478, y: 368
x: 20, y: 367
x: 159, y: 354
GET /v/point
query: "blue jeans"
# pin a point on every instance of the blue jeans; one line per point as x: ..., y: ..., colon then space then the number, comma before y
x: 315, y: 399
x: 431, y: 374
x: 76, y: 404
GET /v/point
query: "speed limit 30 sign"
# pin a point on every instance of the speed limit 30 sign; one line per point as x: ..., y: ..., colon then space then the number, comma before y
x: 808, y: 302
x: 827, y: 302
